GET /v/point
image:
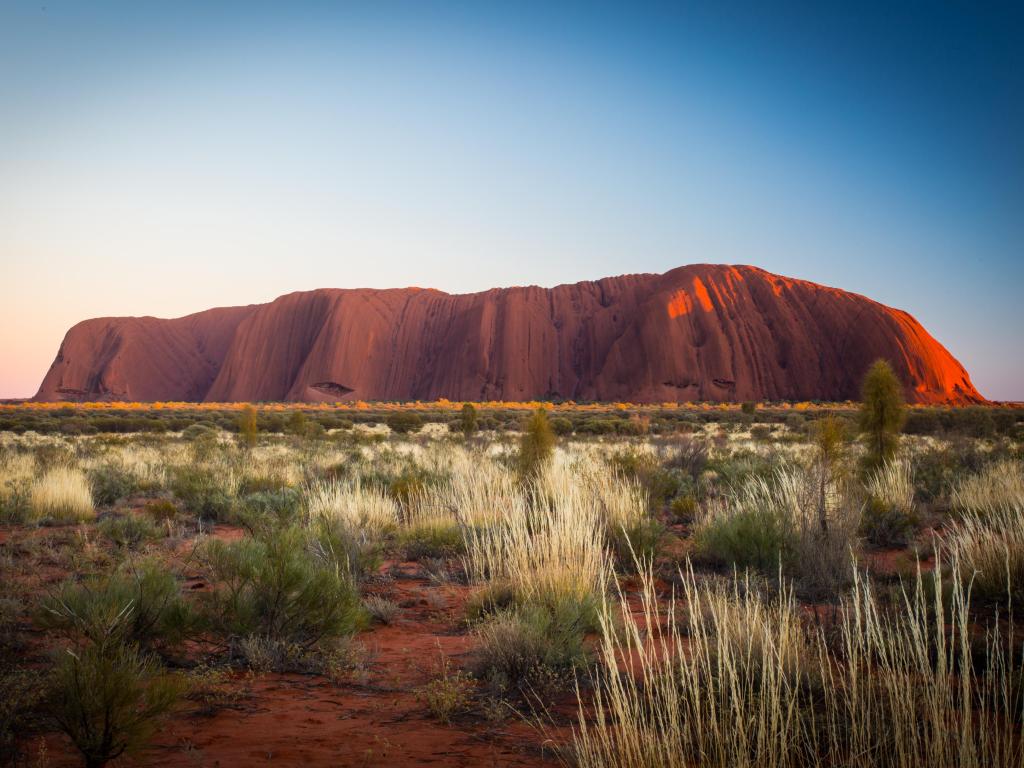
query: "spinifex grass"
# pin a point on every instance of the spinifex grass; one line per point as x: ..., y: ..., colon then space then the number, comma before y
x: 728, y: 678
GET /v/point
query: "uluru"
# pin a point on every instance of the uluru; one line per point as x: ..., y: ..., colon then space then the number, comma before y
x: 698, y: 332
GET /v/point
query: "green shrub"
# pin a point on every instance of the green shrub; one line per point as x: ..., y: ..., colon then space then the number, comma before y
x: 468, y: 423
x: 752, y: 538
x: 660, y: 483
x: 161, y: 510
x: 270, y: 509
x: 142, y: 605
x: 358, y: 551
x: 530, y: 650
x: 537, y: 443
x: 248, y: 431
x: 404, y: 422
x: 561, y: 426
x: 203, y: 430
x: 884, y: 524
x: 684, y: 508
x: 638, y: 543
x: 448, y: 693
x: 129, y: 531
x: 108, y: 700
x: 110, y: 484
x: 881, y: 413
x: 21, y: 692
x: 15, y: 501
x: 492, y: 598
x: 279, y: 585
x: 202, y: 494
x: 430, y: 540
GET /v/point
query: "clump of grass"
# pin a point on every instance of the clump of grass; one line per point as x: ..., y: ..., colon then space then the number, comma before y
x: 990, y: 549
x: 997, y: 487
x: 890, y: 518
x: 551, y: 551
x: 431, y: 539
x: 16, y: 473
x: 530, y: 650
x: 129, y: 531
x: 448, y: 693
x: 204, y: 492
x: 365, y: 508
x: 781, y: 525
x: 749, y: 683
x: 62, y: 495
x: 380, y: 608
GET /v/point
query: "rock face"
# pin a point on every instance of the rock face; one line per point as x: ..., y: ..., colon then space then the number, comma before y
x: 700, y: 332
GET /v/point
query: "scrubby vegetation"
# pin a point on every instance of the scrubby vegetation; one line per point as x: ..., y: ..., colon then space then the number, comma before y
x: 759, y: 585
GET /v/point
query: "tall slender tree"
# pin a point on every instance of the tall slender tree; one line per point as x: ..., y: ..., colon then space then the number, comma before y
x: 881, y: 413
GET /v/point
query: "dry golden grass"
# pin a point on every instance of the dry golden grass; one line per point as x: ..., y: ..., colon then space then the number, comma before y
x: 751, y: 684
x: 62, y: 495
x: 998, y: 487
x: 893, y: 485
x: 363, y: 508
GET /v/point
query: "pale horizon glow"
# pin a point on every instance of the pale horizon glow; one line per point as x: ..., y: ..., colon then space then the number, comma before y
x: 166, y: 161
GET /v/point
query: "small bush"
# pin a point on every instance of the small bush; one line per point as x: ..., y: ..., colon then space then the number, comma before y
x: 129, y: 531
x: 885, y: 525
x: 684, y: 508
x: 142, y: 605
x: 161, y: 510
x: 639, y: 542
x: 536, y: 445
x: 108, y: 700
x: 660, y: 483
x: 748, y: 538
x: 404, y: 422
x: 381, y: 609
x: 532, y: 649
x: 448, y: 693
x: 110, y: 484
x: 62, y: 495
x: 21, y: 692
x: 203, y: 494
x: 781, y: 524
x: 561, y: 426
x: 468, y: 423
x: 889, y: 518
x: 280, y: 586
x: 248, y: 432
x: 432, y: 540
x: 881, y: 413
x: 270, y: 509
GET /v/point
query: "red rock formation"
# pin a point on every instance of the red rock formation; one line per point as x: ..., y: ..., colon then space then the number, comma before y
x: 701, y: 332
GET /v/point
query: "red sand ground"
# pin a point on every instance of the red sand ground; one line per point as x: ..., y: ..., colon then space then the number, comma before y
x: 373, y: 719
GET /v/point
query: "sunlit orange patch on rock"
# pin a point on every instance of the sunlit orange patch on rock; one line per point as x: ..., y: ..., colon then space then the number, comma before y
x: 702, y: 295
x: 679, y: 304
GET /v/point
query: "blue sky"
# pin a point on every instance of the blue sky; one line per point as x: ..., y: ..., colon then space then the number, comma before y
x: 164, y: 158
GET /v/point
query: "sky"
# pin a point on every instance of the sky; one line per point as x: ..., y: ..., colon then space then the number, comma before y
x: 164, y: 158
